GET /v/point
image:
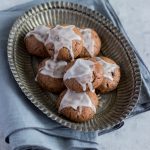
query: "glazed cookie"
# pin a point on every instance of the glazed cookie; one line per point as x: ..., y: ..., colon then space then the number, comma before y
x: 111, y: 74
x: 64, y: 42
x: 50, y: 75
x: 91, y: 43
x: 77, y: 107
x: 83, y: 75
x: 35, y: 40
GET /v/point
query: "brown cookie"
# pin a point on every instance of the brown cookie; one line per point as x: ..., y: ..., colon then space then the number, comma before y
x: 64, y: 43
x: 80, y: 113
x: 50, y: 75
x: 35, y: 47
x: 111, y: 75
x: 91, y: 43
x: 34, y: 42
x: 85, y: 77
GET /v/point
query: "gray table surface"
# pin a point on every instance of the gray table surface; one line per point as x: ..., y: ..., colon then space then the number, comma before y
x: 135, y: 17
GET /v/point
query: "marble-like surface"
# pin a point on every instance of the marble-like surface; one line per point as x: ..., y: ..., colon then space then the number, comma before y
x: 135, y: 17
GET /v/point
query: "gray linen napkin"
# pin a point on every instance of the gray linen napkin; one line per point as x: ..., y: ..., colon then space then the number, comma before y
x: 27, y: 128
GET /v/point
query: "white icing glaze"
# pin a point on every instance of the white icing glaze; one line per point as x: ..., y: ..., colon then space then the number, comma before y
x: 62, y: 37
x: 53, y: 68
x: 82, y: 71
x: 40, y: 33
x: 108, y: 68
x: 88, y: 42
x: 75, y: 100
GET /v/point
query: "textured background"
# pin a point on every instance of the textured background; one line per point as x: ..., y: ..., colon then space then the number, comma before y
x: 135, y: 17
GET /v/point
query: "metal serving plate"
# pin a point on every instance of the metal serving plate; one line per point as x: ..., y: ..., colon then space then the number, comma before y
x: 116, y: 105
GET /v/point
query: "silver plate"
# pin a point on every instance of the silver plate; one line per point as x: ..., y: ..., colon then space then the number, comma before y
x: 117, y: 104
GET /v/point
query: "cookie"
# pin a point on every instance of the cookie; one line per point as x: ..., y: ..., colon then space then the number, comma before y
x: 77, y: 107
x: 35, y: 40
x: 111, y: 74
x: 64, y: 42
x: 50, y: 75
x: 91, y: 43
x: 83, y: 75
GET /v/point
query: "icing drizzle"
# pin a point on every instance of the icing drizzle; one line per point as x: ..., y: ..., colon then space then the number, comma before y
x: 108, y: 68
x: 82, y: 71
x: 88, y: 42
x: 40, y: 33
x: 75, y: 100
x: 61, y: 37
x: 53, y: 69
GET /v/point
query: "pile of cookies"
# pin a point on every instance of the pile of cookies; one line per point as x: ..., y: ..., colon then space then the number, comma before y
x: 70, y: 68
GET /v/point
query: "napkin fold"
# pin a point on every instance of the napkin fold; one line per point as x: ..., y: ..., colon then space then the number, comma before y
x: 24, y: 126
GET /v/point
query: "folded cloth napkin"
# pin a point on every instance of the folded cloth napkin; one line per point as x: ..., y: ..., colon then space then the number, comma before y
x: 23, y: 125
